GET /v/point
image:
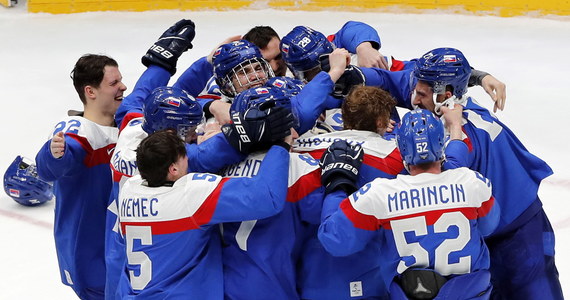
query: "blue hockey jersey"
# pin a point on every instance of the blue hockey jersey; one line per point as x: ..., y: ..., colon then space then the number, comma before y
x: 172, y: 246
x: 260, y: 256
x: 82, y: 185
x: 494, y: 150
x: 210, y: 156
x: 433, y: 221
x: 357, y: 276
x: 498, y: 154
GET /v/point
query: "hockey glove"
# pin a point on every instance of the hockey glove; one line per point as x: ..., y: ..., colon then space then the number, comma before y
x: 171, y: 44
x: 352, y: 76
x: 258, y: 128
x: 340, y: 166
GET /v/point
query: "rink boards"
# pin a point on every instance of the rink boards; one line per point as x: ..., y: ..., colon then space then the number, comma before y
x: 504, y: 8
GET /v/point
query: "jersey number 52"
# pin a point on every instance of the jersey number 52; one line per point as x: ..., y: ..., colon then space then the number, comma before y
x: 441, y: 258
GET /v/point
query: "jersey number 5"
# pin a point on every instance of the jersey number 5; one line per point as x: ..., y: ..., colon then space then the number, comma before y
x: 144, y: 234
x: 441, y: 258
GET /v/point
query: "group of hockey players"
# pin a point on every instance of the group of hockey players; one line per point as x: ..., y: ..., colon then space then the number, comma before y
x: 279, y: 168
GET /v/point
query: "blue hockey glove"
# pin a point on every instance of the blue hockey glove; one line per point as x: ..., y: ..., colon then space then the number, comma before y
x: 352, y: 76
x: 258, y: 128
x: 171, y: 44
x: 340, y: 166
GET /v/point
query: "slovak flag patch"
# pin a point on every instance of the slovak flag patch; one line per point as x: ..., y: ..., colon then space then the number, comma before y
x: 261, y: 91
x: 278, y: 83
x: 173, y: 101
x: 449, y: 58
x: 14, y: 193
x: 218, y: 51
x: 285, y: 48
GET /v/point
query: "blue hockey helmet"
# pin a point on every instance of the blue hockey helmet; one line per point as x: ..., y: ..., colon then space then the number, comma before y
x: 292, y: 85
x: 22, y: 183
x: 301, y: 49
x: 420, y: 137
x: 256, y: 97
x: 240, y: 59
x: 172, y: 108
x: 442, y: 67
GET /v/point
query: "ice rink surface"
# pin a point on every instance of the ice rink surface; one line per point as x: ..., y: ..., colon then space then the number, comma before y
x: 38, y: 51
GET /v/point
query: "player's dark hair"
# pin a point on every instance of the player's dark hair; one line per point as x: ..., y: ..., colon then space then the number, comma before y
x: 156, y: 153
x: 260, y: 36
x: 365, y: 106
x: 90, y: 70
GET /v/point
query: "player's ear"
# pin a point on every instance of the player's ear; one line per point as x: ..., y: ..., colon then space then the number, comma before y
x: 173, y: 172
x: 173, y: 169
x: 89, y: 92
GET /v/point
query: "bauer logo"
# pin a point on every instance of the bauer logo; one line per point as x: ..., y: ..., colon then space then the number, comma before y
x: 449, y: 58
x: 173, y: 101
x: 14, y: 193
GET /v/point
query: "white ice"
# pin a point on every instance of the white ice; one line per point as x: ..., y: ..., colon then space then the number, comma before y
x: 38, y: 51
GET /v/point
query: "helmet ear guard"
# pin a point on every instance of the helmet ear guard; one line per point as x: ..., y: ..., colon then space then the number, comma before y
x: 22, y: 183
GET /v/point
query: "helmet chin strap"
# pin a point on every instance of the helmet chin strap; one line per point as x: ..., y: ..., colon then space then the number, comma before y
x: 449, y: 102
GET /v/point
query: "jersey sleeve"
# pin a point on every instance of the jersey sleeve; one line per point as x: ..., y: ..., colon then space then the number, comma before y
x: 305, y: 188
x: 132, y: 105
x: 397, y: 83
x: 354, y: 33
x: 51, y: 168
x: 196, y: 77
x: 346, y: 230
x: 76, y: 149
x: 456, y: 155
x: 257, y: 197
x: 212, y: 155
x: 312, y: 101
x: 489, y: 211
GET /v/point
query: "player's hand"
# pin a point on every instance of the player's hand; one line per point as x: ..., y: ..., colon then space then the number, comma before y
x: 453, y: 120
x: 335, y: 63
x: 340, y: 166
x: 57, y: 145
x: 172, y: 43
x: 226, y: 41
x: 258, y: 127
x: 221, y: 111
x: 391, y: 125
x: 497, y: 90
x: 209, y: 130
x: 368, y: 57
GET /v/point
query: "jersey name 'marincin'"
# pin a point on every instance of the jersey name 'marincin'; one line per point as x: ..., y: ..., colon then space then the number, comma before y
x: 426, y: 196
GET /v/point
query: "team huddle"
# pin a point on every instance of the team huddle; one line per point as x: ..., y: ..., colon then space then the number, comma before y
x: 279, y: 168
